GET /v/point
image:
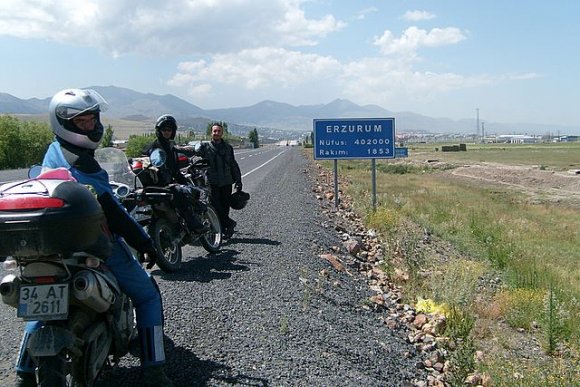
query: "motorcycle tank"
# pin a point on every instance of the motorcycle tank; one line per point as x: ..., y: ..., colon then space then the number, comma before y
x: 49, y: 216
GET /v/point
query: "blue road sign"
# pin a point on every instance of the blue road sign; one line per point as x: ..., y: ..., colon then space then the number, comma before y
x: 402, y: 152
x: 364, y: 138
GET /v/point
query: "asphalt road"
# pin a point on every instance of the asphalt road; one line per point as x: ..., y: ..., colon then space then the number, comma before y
x: 13, y: 174
x: 266, y: 310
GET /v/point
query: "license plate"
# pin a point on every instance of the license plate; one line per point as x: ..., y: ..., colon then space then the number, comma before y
x: 43, y: 302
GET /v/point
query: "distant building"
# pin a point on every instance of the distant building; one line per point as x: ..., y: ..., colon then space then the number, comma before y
x: 568, y: 138
x: 122, y: 144
x: 517, y: 139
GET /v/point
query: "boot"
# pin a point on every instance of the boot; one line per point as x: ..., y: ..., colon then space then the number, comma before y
x: 25, y: 379
x: 154, y: 376
x: 152, y: 356
x: 229, y: 229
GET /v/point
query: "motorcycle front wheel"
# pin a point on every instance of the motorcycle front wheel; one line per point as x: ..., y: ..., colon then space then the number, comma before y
x: 163, y: 234
x: 211, y: 240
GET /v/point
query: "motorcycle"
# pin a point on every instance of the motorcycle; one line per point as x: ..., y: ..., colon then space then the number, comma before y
x: 153, y: 206
x: 55, y: 242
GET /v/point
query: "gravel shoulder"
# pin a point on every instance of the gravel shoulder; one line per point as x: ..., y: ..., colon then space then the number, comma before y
x: 267, y: 310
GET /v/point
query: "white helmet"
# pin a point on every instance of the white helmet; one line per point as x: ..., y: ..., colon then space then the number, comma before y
x: 70, y: 103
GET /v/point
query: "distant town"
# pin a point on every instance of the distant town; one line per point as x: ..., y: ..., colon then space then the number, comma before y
x: 490, y: 138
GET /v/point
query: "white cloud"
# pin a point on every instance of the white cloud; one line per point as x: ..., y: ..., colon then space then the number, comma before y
x: 245, y: 50
x: 53, y: 20
x: 156, y: 27
x: 378, y: 79
x: 265, y: 67
x: 418, y: 16
x: 276, y: 71
x: 360, y: 15
x: 290, y: 74
x: 524, y: 76
x: 297, y: 30
x: 414, y: 38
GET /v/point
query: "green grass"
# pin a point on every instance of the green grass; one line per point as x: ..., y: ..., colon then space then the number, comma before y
x: 533, y: 248
x: 553, y: 156
x: 527, y: 373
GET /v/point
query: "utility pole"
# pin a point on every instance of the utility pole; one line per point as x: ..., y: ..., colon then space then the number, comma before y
x: 482, y: 131
x: 477, y: 126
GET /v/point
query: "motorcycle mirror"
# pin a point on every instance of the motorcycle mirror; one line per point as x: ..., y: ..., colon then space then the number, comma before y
x: 158, y: 157
x: 34, y: 171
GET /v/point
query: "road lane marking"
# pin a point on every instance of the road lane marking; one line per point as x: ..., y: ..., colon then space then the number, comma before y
x: 260, y: 166
x: 253, y: 152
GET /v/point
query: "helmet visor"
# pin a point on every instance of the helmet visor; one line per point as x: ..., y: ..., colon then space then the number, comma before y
x: 91, y: 102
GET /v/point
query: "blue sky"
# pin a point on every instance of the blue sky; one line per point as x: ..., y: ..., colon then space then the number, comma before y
x: 515, y: 61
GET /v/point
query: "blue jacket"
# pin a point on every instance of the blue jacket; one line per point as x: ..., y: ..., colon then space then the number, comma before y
x: 87, y: 171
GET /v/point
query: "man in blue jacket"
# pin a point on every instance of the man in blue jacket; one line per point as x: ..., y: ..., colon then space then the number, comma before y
x: 75, y: 120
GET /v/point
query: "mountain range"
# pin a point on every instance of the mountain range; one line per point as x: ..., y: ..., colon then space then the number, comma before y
x: 128, y: 104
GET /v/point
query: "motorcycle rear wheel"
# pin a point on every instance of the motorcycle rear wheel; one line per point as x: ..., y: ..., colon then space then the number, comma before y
x: 163, y: 234
x: 211, y: 240
x: 52, y: 372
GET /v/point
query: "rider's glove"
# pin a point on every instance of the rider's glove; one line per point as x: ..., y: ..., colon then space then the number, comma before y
x: 238, y: 185
x: 149, y: 255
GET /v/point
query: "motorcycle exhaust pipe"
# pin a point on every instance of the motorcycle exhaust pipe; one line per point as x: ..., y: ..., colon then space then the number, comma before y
x: 93, y: 291
x: 9, y: 290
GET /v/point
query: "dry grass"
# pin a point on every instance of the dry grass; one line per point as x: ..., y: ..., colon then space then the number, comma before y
x: 514, y: 263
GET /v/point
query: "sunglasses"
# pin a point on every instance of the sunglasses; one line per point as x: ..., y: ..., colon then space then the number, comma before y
x: 165, y: 129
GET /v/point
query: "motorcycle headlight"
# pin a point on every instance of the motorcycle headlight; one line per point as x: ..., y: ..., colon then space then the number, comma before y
x: 121, y: 191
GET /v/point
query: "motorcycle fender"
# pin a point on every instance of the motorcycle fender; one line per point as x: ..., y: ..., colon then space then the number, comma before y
x: 50, y: 340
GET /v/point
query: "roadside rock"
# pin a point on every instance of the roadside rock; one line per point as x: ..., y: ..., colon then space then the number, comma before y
x: 422, y: 330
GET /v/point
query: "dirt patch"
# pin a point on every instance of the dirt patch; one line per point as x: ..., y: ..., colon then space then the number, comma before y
x: 535, y: 185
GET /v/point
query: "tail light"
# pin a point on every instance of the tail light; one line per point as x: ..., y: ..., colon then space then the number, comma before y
x: 44, y: 280
x: 29, y: 202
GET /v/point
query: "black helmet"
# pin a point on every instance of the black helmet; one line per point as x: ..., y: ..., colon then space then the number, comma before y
x: 166, y: 121
x: 239, y: 199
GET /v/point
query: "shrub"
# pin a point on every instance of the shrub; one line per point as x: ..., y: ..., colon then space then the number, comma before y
x: 22, y: 143
x: 521, y: 307
x: 398, y: 169
x: 137, y: 143
x: 457, y: 281
x: 384, y: 219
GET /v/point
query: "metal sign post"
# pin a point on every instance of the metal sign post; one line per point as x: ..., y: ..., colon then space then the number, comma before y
x: 336, y: 201
x: 374, y: 183
x: 354, y: 138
